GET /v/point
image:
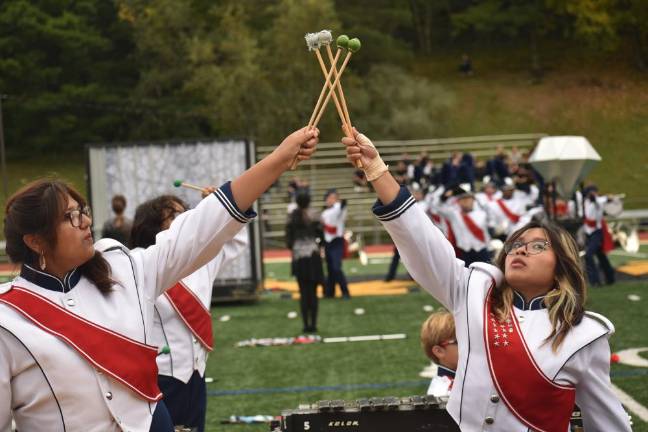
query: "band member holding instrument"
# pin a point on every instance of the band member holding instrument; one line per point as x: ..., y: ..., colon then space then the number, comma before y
x: 75, y: 326
x: 527, y: 349
x: 182, y: 322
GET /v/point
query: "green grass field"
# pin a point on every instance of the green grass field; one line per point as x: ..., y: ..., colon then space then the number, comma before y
x: 387, y: 367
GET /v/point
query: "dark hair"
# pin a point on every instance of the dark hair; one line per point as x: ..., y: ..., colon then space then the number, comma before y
x: 303, y: 199
x: 38, y: 208
x: 566, y: 302
x: 149, y: 218
x: 118, y: 204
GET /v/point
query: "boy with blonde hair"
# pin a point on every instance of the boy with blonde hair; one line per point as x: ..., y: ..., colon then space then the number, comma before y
x: 440, y: 345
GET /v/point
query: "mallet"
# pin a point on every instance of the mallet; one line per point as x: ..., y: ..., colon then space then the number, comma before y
x: 353, y: 46
x: 180, y: 183
x: 325, y: 39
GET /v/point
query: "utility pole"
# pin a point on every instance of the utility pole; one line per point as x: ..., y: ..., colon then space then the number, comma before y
x: 3, y: 166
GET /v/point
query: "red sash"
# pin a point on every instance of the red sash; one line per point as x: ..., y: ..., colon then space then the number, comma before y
x: 193, y: 313
x: 130, y: 362
x: 473, y: 228
x: 523, y: 387
x: 330, y: 229
x: 608, y: 241
x: 509, y: 214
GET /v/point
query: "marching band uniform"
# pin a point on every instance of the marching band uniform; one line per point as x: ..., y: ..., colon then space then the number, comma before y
x: 510, y: 399
x: 333, y: 219
x: 441, y: 384
x: 182, y: 323
x: 471, y: 232
x: 73, y: 358
x: 509, y: 213
x: 598, y: 241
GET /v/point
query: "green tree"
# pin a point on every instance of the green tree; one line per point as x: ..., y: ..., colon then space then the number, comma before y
x: 62, y: 63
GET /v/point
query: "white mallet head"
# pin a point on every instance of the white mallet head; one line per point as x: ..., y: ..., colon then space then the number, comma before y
x: 312, y: 41
x: 325, y: 37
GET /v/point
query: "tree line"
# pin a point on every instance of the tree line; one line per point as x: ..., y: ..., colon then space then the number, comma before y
x: 79, y: 71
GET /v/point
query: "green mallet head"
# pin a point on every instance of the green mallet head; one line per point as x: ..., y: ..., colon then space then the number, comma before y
x: 342, y: 41
x: 177, y: 183
x: 354, y: 45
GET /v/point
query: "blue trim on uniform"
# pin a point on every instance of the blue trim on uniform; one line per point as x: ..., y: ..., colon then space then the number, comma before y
x: 535, y: 303
x: 444, y: 371
x: 48, y: 281
x: 397, y: 207
x: 224, y: 195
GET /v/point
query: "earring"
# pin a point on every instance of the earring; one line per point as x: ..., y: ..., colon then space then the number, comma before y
x: 41, y: 261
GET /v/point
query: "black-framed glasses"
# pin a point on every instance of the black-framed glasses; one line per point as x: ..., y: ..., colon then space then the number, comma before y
x: 533, y: 247
x: 75, y: 216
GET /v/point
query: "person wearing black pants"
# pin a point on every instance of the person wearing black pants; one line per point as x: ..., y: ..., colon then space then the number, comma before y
x: 303, y: 236
x: 333, y: 218
x: 594, y: 247
x: 334, y: 251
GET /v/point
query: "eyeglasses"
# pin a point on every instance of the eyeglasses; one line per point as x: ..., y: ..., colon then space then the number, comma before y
x: 533, y: 247
x: 448, y: 342
x: 75, y: 216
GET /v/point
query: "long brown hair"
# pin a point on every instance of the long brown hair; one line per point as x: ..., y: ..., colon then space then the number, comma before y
x: 38, y: 208
x: 566, y: 302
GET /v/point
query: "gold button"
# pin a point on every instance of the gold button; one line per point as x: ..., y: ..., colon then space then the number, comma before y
x: 109, y: 395
x: 489, y: 420
x: 494, y: 398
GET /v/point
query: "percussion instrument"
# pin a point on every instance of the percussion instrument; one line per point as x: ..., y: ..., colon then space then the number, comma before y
x: 378, y: 414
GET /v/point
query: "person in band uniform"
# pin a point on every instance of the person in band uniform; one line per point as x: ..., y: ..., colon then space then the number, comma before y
x: 75, y: 326
x: 528, y: 350
x: 182, y: 323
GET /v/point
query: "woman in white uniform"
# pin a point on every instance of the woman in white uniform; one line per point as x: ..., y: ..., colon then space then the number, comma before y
x: 527, y: 349
x: 75, y: 326
x: 182, y: 322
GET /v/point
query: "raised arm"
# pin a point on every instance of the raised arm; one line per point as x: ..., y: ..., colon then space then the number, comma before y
x: 198, y: 235
x: 426, y: 253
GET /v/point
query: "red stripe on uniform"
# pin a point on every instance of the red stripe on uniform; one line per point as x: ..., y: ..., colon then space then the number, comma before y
x: 195, y: 316
x: 509, y: 214
x: 523, y: 387
x: 473, y: 228
x: 128, y: 361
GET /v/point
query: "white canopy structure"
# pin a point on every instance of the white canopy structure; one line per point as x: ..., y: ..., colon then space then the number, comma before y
x: 565, y: 160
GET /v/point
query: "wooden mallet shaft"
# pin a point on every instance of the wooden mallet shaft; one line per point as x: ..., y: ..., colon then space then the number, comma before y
x: 180, y: 183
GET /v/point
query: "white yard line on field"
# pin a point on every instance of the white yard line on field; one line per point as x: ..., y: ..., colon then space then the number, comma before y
x: 632, y: 405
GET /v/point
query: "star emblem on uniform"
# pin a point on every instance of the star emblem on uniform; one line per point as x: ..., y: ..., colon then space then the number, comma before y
x: 505, y: 335
x: 506, y: 343
x: 496, y: 343
x: 497, y: 336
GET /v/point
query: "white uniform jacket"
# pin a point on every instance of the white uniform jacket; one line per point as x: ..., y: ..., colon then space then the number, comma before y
x: 441, y: 384
x: 333, y: 219
x: 45, y: 384
x: 583, y: 359
x: 466, y: 239
x: 516, y: 206
x: 186, y: 352
x: 594, y: 212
